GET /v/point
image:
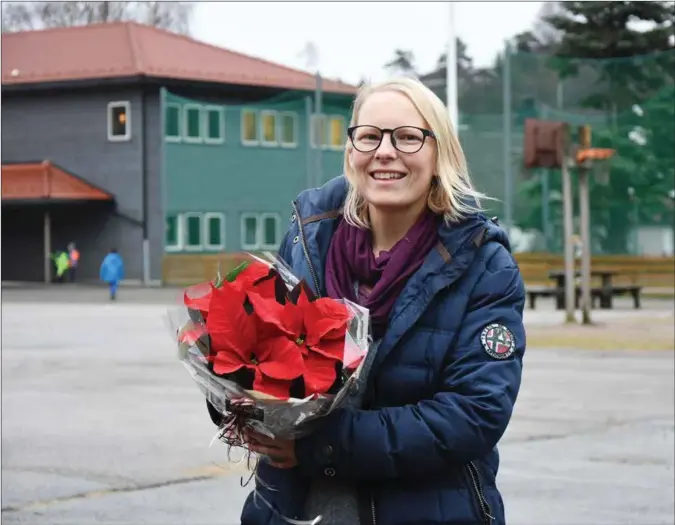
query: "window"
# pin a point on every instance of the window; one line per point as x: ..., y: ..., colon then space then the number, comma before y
x: 193, y: 231
x: 328, y: 131
x: 249, y: 231
x: 289, y: 130
x: 172, y: 122
x: 336, y: 132
x: 119, y: 121
x: 215, y: 125
x: 214, y: 224
x: 269, y: 128
x: 260, y: 231
x: 269, y: 236
x: 192, y: 123
x: 249, y: 127
x: 318, y: 137
x: 173, y: 233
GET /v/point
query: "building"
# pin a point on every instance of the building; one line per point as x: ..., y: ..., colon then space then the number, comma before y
x: 126, y: 136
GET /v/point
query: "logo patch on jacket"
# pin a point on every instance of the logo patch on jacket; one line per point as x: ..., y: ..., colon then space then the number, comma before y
x: 498, y: 341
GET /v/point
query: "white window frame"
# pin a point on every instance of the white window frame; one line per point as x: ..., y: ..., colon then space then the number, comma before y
x: 242, y: 128
x: 174, y: 138
x: 312, y: 129
x: 127, y: 107
x: 330, y: 145
x: 266, y: 113
x: 207, y: 234
x: 193, y: 247
x: 294, y: 116
x: 179, y: 234
x: 261, y: 231
x: 205, y: 122
x: 186, y: 138
x: 242, y: 231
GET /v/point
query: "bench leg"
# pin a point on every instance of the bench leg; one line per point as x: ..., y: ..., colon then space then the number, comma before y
x: 560, y: 301
x: 533, y: 300
x: 636, y: 298
x: 606, y: 300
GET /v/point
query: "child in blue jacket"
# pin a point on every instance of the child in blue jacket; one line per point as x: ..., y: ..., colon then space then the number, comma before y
x: 112, y: 271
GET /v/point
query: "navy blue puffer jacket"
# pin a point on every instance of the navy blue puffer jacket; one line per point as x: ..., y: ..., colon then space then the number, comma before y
x: 423, y: 449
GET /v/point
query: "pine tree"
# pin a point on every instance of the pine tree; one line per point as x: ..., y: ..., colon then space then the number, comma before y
x: 615, y: 31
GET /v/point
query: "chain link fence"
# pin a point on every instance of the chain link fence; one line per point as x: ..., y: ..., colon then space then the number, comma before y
x: 630, y: 105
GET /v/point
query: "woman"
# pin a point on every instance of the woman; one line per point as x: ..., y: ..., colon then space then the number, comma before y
x: 402, y: 235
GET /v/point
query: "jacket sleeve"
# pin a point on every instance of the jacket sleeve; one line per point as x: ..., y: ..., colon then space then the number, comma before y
x: 462, y: 422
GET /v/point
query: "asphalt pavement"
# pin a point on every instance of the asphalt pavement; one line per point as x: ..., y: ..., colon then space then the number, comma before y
x: 102, y: 424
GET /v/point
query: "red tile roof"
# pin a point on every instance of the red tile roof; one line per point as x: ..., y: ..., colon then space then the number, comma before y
x: 104, y: 51
x: 44, y: 181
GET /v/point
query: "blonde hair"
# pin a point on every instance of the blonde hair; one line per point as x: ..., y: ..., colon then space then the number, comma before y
x: 453, y: 195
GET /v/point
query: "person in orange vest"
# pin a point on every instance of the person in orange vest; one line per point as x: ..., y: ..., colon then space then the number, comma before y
x: 74, y: 259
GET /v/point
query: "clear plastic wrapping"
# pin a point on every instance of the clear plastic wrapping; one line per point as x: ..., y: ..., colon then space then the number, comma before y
x: 266, y: 352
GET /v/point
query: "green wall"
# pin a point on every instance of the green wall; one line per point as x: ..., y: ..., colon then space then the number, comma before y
x: 223, y: 193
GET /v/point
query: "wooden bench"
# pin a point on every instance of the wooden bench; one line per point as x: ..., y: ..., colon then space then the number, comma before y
x: 604, y: 296
x: 544, y: 291
x: 598, y: 295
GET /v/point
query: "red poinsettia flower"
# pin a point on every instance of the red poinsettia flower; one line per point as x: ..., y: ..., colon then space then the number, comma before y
x: 236, y: 343
x: 198, y: 297
x: 316, y: 328
x: 255, y: 276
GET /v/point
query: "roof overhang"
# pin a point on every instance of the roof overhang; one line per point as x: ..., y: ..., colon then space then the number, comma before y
x: 47, y: 183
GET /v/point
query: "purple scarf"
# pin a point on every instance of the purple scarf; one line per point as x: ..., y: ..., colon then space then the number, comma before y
x: 381, y: 279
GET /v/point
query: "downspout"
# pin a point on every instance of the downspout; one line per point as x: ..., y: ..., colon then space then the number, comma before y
x: 144, y: 185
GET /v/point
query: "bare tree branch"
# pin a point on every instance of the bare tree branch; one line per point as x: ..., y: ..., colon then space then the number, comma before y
x: 21, y: 16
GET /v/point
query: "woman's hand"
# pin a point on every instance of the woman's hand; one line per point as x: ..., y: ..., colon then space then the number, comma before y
x: 281, y: 452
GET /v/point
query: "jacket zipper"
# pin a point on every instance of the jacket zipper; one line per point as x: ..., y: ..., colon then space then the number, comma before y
x: 478, y: 490
x: 303, y: 241
x: 372, y: 508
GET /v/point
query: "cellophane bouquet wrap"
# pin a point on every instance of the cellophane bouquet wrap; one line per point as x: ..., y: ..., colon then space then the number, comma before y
x: 266, y: 351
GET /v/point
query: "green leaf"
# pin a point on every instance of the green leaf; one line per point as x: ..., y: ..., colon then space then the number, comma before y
x: 232, y: 275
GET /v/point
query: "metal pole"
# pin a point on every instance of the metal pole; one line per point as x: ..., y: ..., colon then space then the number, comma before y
x: 451, y: 70
x: 47, y: 241
x: 569, y: 248
x: 545, y: 201
x: 163, y: 179
x: 508, y: 179
x: 308, y: 167
x: 545, y: 210
x: 585, y: 213
x: 321, y: 136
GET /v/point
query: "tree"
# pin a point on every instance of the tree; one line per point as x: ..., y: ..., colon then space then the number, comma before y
x: 642, y: 172
x: 23, y: 16
x: 610, y: 30
x: 402, y: 64
x: 464, y: 61
x: 547, y: 35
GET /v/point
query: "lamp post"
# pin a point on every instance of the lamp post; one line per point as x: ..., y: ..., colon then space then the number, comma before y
x: 451, y: 68
x: 635, y: 219
x: 671, y: 196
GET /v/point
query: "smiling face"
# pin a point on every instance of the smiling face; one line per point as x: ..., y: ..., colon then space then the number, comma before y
x: 388, y: 179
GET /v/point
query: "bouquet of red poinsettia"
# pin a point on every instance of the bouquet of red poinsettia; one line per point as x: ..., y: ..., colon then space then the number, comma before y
x: 266, y: 351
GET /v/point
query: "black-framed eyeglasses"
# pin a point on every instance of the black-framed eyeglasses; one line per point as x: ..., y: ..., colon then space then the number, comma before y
x: 406, y: 139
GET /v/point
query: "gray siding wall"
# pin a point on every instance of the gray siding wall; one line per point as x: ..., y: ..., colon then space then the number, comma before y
x: 70, y: 129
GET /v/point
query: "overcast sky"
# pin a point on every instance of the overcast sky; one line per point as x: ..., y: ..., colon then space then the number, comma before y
x: 355, y: 39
